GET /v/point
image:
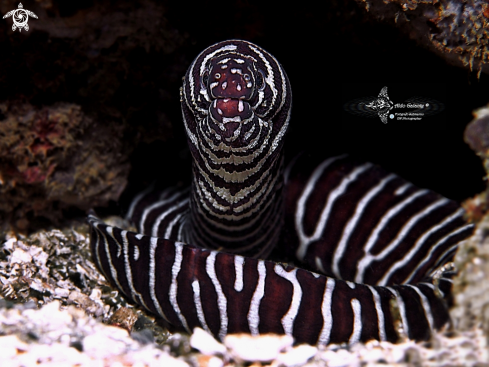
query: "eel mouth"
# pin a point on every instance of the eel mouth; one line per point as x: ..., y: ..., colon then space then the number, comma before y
x: 230, y: 114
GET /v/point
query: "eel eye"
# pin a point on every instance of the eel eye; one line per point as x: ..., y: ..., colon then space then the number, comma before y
x: 247, y: 77
x: 217, y: 76
x: 260, y: 80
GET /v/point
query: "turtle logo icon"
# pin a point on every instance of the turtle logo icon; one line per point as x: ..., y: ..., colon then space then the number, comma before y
x: 20, y: 17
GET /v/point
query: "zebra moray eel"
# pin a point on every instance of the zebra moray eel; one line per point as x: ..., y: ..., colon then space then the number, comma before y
x: 372, y: 248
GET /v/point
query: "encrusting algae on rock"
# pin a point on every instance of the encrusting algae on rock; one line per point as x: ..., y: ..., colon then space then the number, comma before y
x: 55, y: 157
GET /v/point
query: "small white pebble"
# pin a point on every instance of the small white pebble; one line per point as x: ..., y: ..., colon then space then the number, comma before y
x: 62, y: 292
x: 50, y: 316
x: 205, y: 343
x: 101, y: 345
x: 169, y: 361
x: 398, y: 355
x: 340, y: 358
x: 20, y: 256
x: 40, y: 257
x: 297, y: 356
x: 96, y: 294
x: 52, y: 355
x: 215, y: 362
x: 10, y: 345
x: 9, y: 244
x: 261, y: 348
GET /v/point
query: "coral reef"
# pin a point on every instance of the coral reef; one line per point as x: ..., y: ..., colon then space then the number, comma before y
x: 55, y: 157
x: 471, y: 287
x: 456, y: 30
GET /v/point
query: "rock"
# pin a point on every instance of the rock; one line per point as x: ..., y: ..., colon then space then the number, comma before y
x: 57, y: 157
x: 205, y: 343
x: 340, y: 358
x: 85, y: 302
x: 124, y: 317
x: 107, y: 343
x: 297, y: 356
x: 454, y: 29
x: 50, y: 317
x: 10, y: 346
x: 74, y: 104
x: 471, y: 286
x: 68, y: 337
x: 20, y: 256
x: 262, y: 348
